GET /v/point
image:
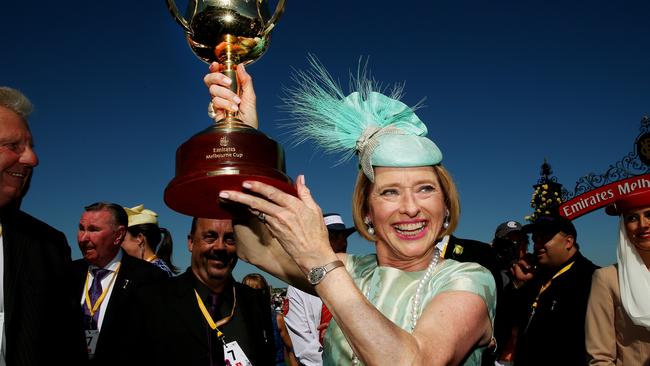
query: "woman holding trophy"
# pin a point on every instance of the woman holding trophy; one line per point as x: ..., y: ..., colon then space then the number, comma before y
x: 405, y: 304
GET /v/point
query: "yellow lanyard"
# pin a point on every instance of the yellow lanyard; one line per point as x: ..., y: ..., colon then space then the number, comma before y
x: 93, y: 308
x: 534, y: 306
x: 560, y: 272
x: 208, y: 317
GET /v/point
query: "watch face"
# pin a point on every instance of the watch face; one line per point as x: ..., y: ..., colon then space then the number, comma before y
x: 316, y: 275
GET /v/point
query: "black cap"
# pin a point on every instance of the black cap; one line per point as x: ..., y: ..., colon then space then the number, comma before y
x: 506, y: 228
x: 552, y: 225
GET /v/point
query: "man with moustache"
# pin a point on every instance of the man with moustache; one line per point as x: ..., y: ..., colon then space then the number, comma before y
x: 106, y: 278
x: 203, y: 316
x: 39, y: 320
x: 552, y: 297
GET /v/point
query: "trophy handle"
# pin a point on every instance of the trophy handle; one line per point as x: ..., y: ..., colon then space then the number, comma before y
x: 171, y: 5
x: 279, y: 10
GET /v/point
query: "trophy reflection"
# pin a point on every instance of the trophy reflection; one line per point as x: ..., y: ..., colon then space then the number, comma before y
x: 232, y: 32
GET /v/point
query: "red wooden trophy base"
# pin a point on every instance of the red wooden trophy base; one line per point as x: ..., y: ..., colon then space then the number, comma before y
x: 221, y: 158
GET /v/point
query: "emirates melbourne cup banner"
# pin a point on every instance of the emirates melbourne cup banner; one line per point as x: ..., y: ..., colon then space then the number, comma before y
x: 603, y: 196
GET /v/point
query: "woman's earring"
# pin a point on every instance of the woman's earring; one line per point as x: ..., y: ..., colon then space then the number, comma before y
x: 371, y: 229
x: 445, y: 224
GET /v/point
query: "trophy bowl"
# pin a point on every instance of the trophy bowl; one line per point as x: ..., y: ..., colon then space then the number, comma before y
x: 222, y: 156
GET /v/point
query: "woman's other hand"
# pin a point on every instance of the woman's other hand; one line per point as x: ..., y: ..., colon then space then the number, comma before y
x: 296, y: 222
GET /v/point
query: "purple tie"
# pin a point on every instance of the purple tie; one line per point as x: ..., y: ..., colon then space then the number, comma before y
x: 95, y: 293
x: 214, y: 305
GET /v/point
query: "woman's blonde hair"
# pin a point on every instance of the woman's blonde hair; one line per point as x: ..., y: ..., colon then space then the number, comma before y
x: 363, y: 187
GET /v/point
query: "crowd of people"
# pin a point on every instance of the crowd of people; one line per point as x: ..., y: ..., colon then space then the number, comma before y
x: 423, y: 297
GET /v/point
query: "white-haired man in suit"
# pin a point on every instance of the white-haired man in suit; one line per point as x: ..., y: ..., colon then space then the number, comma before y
x: 40, y: 321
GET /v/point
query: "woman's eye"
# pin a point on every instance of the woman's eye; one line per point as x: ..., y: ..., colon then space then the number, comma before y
x: 631, y: 218
x: 427, y: 188
x: 389, y: 192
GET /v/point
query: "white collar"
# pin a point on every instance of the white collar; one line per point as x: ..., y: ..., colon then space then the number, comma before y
x: 112, y: 265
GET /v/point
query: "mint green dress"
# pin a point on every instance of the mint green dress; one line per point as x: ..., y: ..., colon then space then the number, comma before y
x: 391, y: 291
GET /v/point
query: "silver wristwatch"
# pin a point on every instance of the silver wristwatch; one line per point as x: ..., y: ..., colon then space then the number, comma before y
x: 316, y: 274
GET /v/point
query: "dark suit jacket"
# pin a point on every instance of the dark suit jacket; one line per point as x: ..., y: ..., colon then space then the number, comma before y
x: 169, y: 328
x: 556, y: 333
x: 133, y: 273
x: 468, y: 250
x: 42, y: 320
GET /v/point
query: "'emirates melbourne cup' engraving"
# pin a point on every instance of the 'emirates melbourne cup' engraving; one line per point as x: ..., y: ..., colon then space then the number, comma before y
x: 224, y: 153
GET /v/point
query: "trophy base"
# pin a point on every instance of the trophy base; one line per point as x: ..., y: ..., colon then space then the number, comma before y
x: 222, y: 158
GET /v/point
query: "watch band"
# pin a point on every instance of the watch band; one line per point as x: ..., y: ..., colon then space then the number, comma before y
x: 332, y: 265
x: 317, y: 274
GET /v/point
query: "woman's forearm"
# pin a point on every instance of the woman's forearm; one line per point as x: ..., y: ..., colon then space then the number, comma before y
x: 256, y: 246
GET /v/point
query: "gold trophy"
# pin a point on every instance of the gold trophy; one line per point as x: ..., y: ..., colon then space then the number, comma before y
x: 222, y: 156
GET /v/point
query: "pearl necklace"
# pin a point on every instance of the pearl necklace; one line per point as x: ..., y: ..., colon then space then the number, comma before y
x: 417, y: 298
x: 421, y: 284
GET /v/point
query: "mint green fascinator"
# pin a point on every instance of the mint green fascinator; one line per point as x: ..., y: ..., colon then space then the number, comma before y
x: 380, y: 129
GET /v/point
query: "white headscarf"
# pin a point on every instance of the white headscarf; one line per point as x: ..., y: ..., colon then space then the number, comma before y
x: 633, y: 279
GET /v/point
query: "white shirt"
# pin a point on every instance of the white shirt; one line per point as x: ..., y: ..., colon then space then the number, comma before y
x: 302, y: 322
x: 107, y: 282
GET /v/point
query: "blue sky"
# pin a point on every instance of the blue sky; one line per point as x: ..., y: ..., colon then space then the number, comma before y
x: 507, y: 84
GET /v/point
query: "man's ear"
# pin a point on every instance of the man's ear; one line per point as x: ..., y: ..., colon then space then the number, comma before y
x: 120, y: 233
x: 190, y: 243
x: 570, y: 242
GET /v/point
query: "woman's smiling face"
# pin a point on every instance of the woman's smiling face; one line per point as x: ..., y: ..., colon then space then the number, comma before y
x: 637, y: 227
x: 407, y: 210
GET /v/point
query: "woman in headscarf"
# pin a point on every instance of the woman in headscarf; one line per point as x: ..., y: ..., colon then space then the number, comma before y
x: 618, y: 314
x: 405, y: 304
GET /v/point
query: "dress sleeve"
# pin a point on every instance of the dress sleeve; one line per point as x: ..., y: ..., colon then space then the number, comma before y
x: 473, y: 278
x: 599, y: 322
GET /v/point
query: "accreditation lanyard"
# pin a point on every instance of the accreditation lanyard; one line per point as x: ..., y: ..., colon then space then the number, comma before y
x: 208, y: 317
x: 541, y: 291
x: 92, y: 308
